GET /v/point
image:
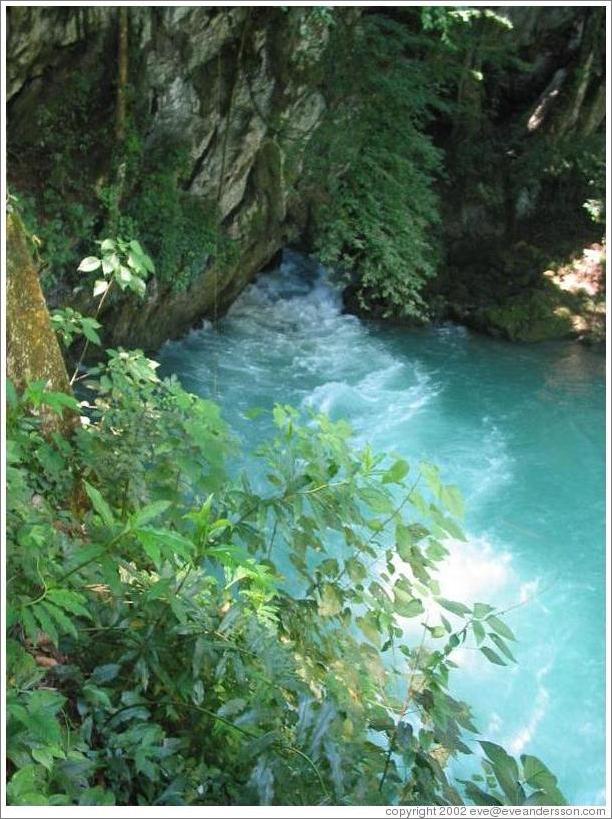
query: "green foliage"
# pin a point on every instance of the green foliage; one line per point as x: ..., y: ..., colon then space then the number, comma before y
x: 138, y: 194
x: 181, y: 231
x: 68, y: 128
x: 69, y: 324
x: 454, y: 24
x: 530, y: 783
x: 56, y: 227
x: 121, y: 262
x: 135, y: 418
x: 180, y: 636
x: 378, y: 208
x: 72, y: 123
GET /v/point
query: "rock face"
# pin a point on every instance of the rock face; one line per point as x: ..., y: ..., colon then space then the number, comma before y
x: 238, y: 86
x: 243, y: 90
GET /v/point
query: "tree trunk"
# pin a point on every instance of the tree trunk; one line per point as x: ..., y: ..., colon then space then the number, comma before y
x: 32, y: 349
x: 120, y: 118
x: 122, y: 78
x: 585, y: 75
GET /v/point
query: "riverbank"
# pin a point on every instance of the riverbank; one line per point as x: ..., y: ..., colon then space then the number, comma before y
x: 566, y: 301
x: 570, y: 302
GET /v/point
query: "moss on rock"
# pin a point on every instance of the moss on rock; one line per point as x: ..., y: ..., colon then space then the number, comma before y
x: 32, y: 349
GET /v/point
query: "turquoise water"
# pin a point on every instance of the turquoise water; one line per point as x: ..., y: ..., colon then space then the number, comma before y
x: 520, y: 429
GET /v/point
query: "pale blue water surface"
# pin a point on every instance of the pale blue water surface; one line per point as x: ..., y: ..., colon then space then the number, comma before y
x: 519, y: 428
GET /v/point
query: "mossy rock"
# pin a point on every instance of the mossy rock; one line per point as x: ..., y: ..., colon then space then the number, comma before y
x: 536, y: 316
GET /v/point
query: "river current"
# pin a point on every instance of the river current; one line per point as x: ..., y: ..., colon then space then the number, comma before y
x: 520, y: 430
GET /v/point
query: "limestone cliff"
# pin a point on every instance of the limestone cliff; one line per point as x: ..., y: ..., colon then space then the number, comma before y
x: 238, y: 86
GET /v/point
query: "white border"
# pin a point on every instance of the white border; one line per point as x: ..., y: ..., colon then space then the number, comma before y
x: 267, y: 811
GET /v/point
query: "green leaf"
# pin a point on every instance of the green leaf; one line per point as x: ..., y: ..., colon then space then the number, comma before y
x: 491, y: 656
x: 397, y: 472
x: 44, y: 727
x: 436, y: 551
x: 432, y: 478
x: 60, y: 400
x: 377, y: 500
x: 25, y: 783
x: 136, y: 247
x: 330, y: 601
x: 452, y: 499
x: 149, y: 512
x: 124, y: 276
x: 90, y: 333
x: 478, y: 796
x: 148, y: 263
x: 100, y: 286
x: 138, y: 286
x: 506, y: 771
x: 499, y: 756
x: 135, y: 262
x: 29, y: 624
x: 479, y: 632
x: 369, y: 626
x: 481, y: 610
x: 356, y: 570
x: 380, y: 720
x: 99, y: 504
x: 89, y: 264
x: 404, y: 540
x: 446, y: 624
x: 450, y: 527
x: 164, y: 542
x: 253, y: 413
x: 69, y: 600
x: 159, y: 589
x: 105, y: 673
x: 64, y: 622
x: 329, y: 567
x: 96, y: 796
x: 107, y: 267
x: 96, y: 696
x: 46, y: 623
x: 44, y: 756
x: 537, y: 775
x: 86, y: 555
x: 500, y: 627
x: 29, y: 799
x: 460, y: 609
x: 232, y: 707
x: 501, y: 645
x: 405, y: 604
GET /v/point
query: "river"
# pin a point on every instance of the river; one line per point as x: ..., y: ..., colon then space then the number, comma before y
x: 519, y: 428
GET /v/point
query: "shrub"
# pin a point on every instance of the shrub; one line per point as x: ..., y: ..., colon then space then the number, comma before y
x: 177, y: 636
